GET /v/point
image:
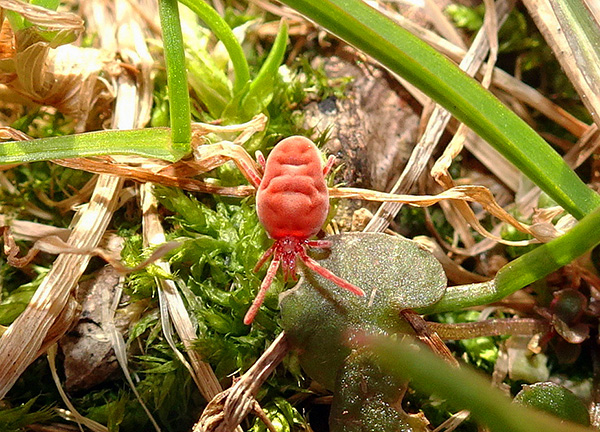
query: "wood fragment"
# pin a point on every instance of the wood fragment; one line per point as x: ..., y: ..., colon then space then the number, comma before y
x: 227, y: 410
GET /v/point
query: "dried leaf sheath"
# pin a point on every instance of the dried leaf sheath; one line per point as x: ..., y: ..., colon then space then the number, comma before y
x: 154, y: 235
x: 21, y: 342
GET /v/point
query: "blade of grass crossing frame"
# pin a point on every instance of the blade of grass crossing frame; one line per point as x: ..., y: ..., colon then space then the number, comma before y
x: 411, y: 58
x: 179, y: 99
x: 461, y: 387
x: 260, y: 91
x: 152, y: 143
x: 524, y: 270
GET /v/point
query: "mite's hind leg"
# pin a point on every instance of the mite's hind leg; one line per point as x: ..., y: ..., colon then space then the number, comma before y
x: 266, y: 283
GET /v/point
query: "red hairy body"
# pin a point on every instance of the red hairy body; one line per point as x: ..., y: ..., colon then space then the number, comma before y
x: 292, y: 203
x: 292, y: 199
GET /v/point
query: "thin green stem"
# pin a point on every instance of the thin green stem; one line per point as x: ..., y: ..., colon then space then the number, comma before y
x: 526, y: 269
x: 179, y: 99
x: 223, y: 32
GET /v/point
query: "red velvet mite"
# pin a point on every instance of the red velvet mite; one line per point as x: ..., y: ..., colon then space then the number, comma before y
x: 292, y: 203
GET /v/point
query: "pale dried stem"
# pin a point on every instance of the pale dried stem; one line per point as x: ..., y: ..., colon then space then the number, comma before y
x: 31, y: 231
x: 436, y: 125
x: 79, y: 197
x: 213, y: 155
x: 443, y: 25
x: 482, y: 195
x: 50, y: 19
x: 76, y: 416
x: 105, y: 165
x: 452, y: 269
x: 21, y: 342
x: 154, y: 235
x: 440, y: 169
x: 545, y: 14
x: 500, y: 78
x: 132, y: 42
x: 453, y: 422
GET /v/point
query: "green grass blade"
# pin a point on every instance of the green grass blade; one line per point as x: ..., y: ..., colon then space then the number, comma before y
x: 179, y: 99
x: 462, y: 388
x: 408, y: 56
x: 526, y: 269
x: 222, y: 31
x: 153, y: 143
x: 260, y: 91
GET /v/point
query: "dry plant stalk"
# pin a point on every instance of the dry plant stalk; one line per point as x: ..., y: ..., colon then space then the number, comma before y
x: 153, y: 234
x: 49, y: 19
x: 75, y: 80
x: 440, y: 171
x: 580, y: 69
x: 31, y: 231
x: 454, y: 271
x: 90, y: 424
x: 227, y: 410
x: 435, y: 127
x: 21, y: 342
x: 210, y: 156
x: 54, y: 244
x: 500, y: 78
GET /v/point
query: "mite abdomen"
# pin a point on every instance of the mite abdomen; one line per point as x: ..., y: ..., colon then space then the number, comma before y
x: 292, y: 199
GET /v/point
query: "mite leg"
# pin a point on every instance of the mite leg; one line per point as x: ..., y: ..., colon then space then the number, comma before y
x: 249, y: 172
x: 321, y: 244
x: 314, y: 266
x: 263, y: 259
x: 260, y: 158
x: 266, y: 283
x: 329, y: 165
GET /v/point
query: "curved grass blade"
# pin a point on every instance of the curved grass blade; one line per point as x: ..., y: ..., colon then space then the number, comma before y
x: 222, y: 31
x: 413, y: 59
x: 260, y: 92
x: 526, y: 269
x: 152, y: 143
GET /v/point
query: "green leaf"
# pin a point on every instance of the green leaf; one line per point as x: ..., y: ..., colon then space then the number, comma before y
x: 223, y: 32
x: 395, y: 274
x: 554, y: 399
x: 179, y: 98
x: 260, y: 92
x: 208, y: 81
